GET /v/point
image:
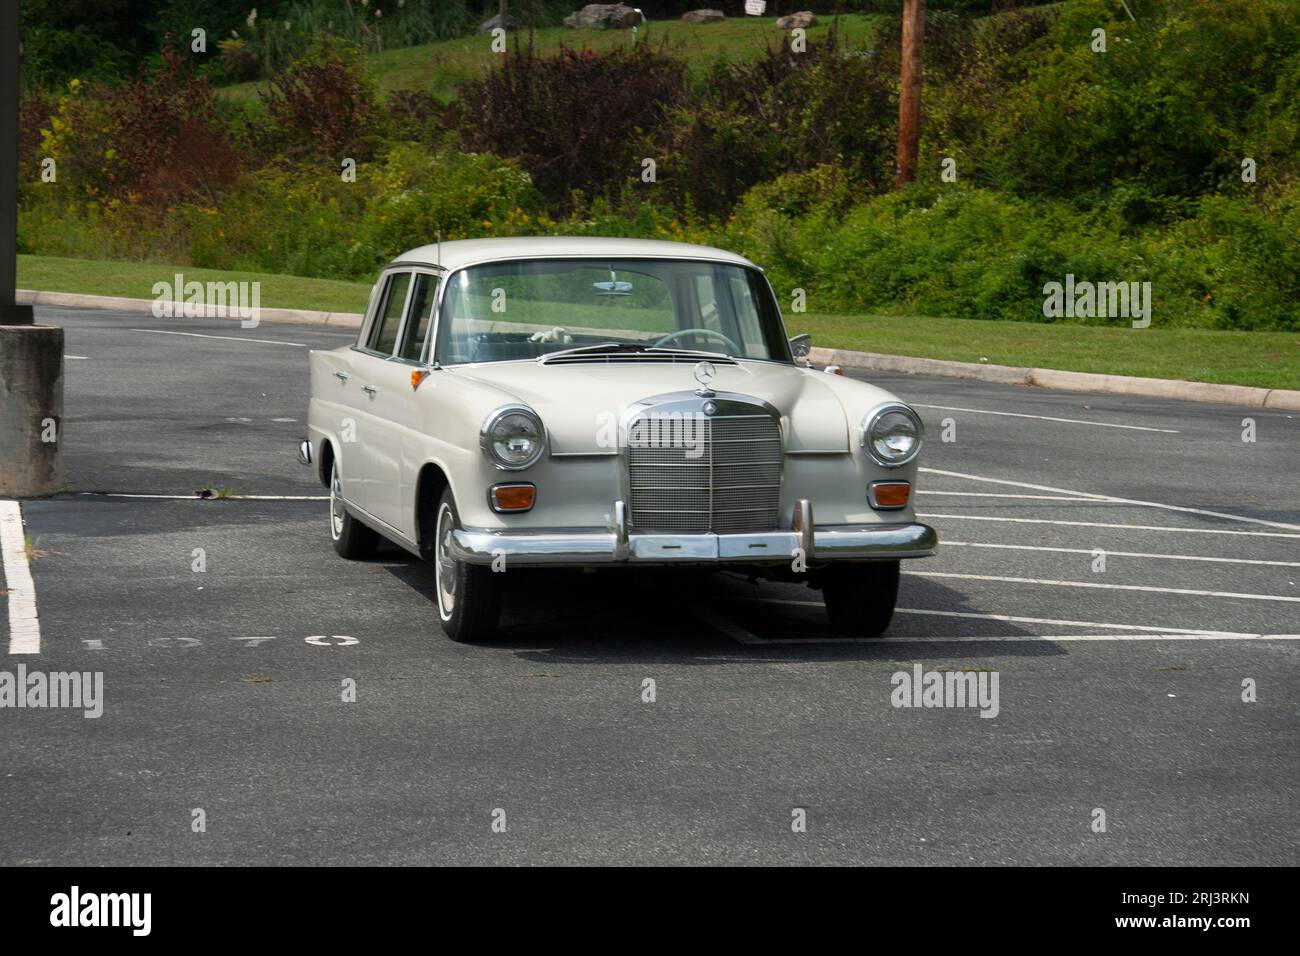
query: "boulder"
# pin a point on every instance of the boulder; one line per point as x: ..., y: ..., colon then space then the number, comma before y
x: 804, y: 18
x: 704, y: 16
x: 602, y: 16
x: 490, y: 24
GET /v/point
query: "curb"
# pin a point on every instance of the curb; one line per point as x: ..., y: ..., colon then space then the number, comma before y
x: 348, y: 320
x: 1270, y: 398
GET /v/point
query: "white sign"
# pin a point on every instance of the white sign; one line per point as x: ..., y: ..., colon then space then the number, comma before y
x: 755, y: 8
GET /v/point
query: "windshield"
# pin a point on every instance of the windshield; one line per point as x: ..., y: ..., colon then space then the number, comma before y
x: 506, y: 311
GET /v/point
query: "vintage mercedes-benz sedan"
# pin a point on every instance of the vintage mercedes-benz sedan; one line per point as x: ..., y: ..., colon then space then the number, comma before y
x: 584, y: 403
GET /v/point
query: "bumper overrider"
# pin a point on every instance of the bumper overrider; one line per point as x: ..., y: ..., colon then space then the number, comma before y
x: 578, y: 547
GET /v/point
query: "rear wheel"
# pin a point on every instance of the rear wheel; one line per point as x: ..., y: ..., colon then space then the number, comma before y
x: 469, y: 595
x: 351, y: 538
x: 860, y: 598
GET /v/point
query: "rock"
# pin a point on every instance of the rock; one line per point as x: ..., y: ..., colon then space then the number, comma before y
x: 602, y: 16
x: 704, y: 16
x: 490, y: 24
x: 804, y: 18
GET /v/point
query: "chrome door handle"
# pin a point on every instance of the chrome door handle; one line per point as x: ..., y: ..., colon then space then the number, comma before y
x: 369, y: 388
x: 342, y: 376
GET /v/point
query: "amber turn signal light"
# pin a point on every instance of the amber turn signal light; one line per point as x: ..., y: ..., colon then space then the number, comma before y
x: 512, y: 497
x: 889, y: 494
x: 418, y: 375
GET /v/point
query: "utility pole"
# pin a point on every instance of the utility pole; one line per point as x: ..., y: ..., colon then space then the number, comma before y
x: 909, y: 91
x: 31, y: 356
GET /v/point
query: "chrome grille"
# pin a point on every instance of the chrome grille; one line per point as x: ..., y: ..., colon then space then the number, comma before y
x: 720, y: 474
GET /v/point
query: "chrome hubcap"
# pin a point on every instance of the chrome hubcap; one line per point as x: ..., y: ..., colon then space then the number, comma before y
x: 445, y: 568
x: 336, y: 503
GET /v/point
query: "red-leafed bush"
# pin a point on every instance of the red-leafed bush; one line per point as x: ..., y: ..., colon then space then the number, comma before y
x: 576, y: 121
x: 167, y: 139
x: 324, y: 105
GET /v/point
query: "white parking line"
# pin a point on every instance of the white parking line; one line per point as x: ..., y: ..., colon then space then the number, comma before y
x: 1048, y: 418
x: 1116, y: 500
x: 1022, y: 638
x: 24, y: 628
x: 1120, y: 554
x: 1099, y: 524
x: 1013, y: 619
x: 996, y: 494
x: 1099, y: 585
x: 230, y: 338
x: 118, y: 494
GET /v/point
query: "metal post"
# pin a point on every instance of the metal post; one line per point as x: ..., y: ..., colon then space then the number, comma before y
x: 10, y: 312
x: 31, y: 356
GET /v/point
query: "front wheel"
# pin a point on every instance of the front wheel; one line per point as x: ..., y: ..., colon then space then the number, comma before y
x: 469, y: 595
x: 860, y: 598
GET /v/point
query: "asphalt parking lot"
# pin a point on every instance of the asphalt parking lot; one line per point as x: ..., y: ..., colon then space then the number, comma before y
x: 1121, y: 689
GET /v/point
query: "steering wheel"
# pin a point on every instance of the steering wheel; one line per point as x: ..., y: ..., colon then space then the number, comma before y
x: 673, y: 336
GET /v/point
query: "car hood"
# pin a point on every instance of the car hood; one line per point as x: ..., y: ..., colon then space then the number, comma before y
x: 574, y: 400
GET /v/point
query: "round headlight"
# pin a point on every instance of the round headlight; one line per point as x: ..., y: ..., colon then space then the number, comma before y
x: 513, y: 438
x: 891, y: 434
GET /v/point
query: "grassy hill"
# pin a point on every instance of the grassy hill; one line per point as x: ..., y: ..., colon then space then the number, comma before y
x: 439, y: 67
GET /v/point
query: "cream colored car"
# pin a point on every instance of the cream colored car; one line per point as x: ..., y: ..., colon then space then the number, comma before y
x: 582, y: 402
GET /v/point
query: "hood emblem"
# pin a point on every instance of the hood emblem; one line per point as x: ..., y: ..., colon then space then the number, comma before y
x: 710, y: 407
x: 704, y: 372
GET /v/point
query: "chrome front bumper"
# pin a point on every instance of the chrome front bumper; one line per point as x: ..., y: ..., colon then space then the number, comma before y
x: 580, y: 547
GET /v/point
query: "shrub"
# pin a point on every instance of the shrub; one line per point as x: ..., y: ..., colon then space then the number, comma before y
x: 324, y: 105
x: 575, y: 121
x: 1155, y: 107
x: 168, y: 139
x: 238, y: 62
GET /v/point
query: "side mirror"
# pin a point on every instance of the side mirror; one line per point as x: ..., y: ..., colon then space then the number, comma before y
x: 801, y: 345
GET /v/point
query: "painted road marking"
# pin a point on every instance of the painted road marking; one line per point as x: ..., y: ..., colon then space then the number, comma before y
x: 24, y: 628
x: 996, y: 494
x: 80, y: 358
x: 1112, y: 498
x: 1048, y: 418
x: 1098, y: 585
x: 1021, y: 639
x: 116, y: 494
x: 1097, y: 524
x: 1013, y: 619
x: 1119, y: 554
x: 229, y: 338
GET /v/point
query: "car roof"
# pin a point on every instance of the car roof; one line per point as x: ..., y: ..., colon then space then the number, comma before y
x: 465, y: 252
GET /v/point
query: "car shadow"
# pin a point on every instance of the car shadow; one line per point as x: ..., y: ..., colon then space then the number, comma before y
x: 645, y: 615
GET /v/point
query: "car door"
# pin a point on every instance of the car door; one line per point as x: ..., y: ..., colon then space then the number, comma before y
x: 369, y: 357
x: 398, y: 419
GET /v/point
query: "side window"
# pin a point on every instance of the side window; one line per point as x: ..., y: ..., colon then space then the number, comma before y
x: 417, y: 324
x: 383, y: 335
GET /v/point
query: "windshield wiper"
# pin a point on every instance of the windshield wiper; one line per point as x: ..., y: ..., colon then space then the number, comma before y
x: 624, y: 347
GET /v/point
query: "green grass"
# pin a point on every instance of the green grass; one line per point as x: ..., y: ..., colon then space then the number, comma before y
x: 1263, y: 359
x: 439, y: 67
x: 134, y: 280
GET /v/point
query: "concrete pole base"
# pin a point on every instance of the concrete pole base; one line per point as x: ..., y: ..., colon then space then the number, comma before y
x: 31, y: 410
